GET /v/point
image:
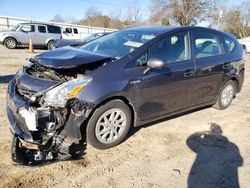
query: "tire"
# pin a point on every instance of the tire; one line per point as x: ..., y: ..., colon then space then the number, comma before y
x: 226, y: 95
x: 18, y: 153
x: 112, y: 129
x: 50, y: 45
x: 10, y: 43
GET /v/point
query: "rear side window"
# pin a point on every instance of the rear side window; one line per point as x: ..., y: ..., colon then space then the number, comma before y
x: 75, y: 31
x: 173, y: 48
x: 206, y: 44
x: 42, y: 29
x: 230, y: 44
x: 54, y: 29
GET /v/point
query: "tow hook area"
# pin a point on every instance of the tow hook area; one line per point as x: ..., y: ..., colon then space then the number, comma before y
x: 30, y: 154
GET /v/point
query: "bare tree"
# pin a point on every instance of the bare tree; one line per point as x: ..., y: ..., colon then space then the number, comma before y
x: 116, y: 19
x: 245, y: 18
x: 233, y: 23
x: 94, y: 17
x: 133, y: 15
x: 58, y: 18
x: 183, y: 12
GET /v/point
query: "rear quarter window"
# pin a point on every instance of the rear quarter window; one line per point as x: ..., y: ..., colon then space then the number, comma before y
x: 54, y: 29
x: 230, y: 44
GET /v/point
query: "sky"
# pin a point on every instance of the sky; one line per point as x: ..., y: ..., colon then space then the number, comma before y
x: 46, y: 9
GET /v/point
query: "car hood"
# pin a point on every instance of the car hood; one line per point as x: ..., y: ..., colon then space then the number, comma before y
x: 70, y: 58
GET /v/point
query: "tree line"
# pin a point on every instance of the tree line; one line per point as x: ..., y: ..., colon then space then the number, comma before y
x: 212, y: 13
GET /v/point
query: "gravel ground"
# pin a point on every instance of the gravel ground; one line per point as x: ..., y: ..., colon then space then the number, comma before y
x: 174, y: 152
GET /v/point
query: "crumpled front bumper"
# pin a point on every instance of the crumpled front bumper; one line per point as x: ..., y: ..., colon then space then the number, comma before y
x: 17, y: 122
x: 54, y: 143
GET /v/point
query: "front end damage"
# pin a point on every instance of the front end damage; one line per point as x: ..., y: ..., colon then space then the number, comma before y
x: 43, y: 128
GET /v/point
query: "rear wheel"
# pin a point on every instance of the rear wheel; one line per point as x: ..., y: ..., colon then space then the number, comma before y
x: 10, y: 43
x: 109, y: 125
x: 226, y: 96
x: 51, y: 45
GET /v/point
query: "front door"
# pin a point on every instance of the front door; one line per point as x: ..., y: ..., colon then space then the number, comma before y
x: 168, y: 89
x: 27, y: 31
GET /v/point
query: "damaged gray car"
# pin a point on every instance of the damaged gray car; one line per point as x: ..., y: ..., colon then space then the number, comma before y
x: 66, y: 97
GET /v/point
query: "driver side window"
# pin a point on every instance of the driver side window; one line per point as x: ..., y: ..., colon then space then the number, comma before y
x: 173, y: 48
x: 28, y: 28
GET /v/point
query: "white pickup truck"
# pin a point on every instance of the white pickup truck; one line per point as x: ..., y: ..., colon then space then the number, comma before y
x: 246, y: 42
x: 73, y: 33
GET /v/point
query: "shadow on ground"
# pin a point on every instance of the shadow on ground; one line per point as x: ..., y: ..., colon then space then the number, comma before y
x: 217, y: 160
x: 6, y: 78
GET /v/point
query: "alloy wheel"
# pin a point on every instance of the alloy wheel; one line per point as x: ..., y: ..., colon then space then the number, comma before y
x: 227, y: 95
x: 110, y: 125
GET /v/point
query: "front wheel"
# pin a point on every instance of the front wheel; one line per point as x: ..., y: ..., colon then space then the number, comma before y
x: 226, y: 95
x: 109, y: 125
x: 10, y: 43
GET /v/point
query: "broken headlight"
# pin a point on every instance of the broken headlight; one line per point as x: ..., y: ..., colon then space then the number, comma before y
x: 59, y: 96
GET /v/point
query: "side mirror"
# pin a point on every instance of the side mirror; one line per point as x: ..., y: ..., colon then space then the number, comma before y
x: 156, y: 63
x: 64, y: 32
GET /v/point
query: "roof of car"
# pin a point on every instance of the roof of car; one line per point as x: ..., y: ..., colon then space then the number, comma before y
x: 38, y: 23
x: 163, y: 29
x: 150, y: 29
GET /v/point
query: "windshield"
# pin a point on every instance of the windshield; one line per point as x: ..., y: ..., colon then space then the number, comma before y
x: 15, y: 28
x: 119, y: 44
x: 91, y: 37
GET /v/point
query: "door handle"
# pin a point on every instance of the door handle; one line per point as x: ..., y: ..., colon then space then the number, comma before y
x: 134, y: 82
x: 189, y: 73
x: 208, y: 68
x: 226, y: 66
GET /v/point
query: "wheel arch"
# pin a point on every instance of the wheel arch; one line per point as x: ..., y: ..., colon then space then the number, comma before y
x: 49, y: 40
x: 112, y: 98
x: 123, y: 99
x: 234, y: 79
x: 10, y: 37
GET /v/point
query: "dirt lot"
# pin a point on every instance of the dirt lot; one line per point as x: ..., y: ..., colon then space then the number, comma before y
x: 159, y: 155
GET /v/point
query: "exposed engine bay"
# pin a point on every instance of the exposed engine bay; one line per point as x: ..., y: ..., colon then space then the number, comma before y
x: 45, y: 114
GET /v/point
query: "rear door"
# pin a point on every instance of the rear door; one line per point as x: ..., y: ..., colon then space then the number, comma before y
x: 41, y: 35
x: 169, y: 89
x: 211, y: 64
